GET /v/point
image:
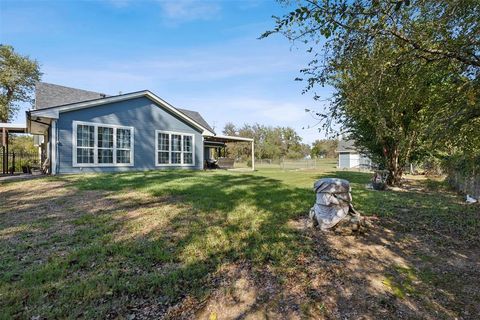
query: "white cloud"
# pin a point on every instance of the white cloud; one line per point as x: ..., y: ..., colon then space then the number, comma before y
x: 189, y: 10
x: 250, y: 59
x: 243, y: 81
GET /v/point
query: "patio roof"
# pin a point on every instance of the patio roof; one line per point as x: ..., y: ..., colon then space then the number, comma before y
x: 13, y: 127
x: 227, y: 139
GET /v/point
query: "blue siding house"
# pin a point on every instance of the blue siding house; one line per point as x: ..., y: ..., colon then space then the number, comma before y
x: 84, y: 131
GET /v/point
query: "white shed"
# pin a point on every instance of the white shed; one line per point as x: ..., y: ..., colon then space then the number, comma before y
x: 349, y: 157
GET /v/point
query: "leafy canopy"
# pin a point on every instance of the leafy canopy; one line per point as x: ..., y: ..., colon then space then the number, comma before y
x: 18, y: 75
x: 405, y: 73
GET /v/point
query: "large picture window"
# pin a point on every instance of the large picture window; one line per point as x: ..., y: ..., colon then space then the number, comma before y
x: 96, y: 144
x: 174, y: 148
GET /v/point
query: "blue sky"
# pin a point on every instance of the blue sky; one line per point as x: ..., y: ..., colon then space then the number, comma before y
x: 202, y: 55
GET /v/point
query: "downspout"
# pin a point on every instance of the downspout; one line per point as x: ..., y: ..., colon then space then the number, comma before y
x: 54, y: 147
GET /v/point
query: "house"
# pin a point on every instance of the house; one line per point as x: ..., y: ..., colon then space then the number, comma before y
x: 85, y: 131
x: 349, y: 157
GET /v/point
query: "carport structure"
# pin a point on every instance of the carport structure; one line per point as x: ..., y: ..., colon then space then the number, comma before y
x: 219, y: 142
x: 5, y: 130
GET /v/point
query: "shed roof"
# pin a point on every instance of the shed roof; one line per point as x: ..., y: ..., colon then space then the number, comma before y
x: 347, y: 146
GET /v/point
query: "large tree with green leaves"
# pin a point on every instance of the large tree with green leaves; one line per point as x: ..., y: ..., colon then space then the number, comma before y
x: 270, y: 142
x: 401, y: 69
x: 324, y: 148
x: 18, y: 75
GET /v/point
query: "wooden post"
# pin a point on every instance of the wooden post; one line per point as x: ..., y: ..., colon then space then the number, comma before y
x: 253, y: 155
x: 6, y: 148
x: 4, y: 154
x: 13, y: 163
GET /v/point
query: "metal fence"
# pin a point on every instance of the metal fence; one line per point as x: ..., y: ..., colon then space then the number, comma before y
x: 15, y: 162
x: 291, y: 164
x: 467, y: 184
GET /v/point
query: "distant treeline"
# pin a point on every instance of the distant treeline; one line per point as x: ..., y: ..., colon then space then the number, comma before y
x: 275, y: 143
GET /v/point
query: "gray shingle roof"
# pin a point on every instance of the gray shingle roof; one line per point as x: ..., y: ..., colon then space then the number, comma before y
x: 50, y: 95
x: 346, y: 146
x: 194, y: 115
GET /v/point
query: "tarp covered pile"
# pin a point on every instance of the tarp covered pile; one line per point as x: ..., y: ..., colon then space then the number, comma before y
x: 333, y: 204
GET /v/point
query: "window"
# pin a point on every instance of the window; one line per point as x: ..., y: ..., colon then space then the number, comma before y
x: 188, y: 149
x: 173, y: 148
x: 85, y: 144
x: 102, y: 145
x: 105, y: 145
x: 163, y: 148
x: 124, y: 145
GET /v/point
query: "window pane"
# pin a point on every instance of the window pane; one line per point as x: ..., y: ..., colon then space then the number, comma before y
x: 84, y: 155
x: 163, y: 157
x: 105, y: 156
x: 123, y: 156
x: 187, y: 143
x: 176, y: 157
x: 187, y: 158
x: 123, y: 138
x: 176, y: 142
x: 85, y: 136
x: 163, y: 143
x: 105, y: 137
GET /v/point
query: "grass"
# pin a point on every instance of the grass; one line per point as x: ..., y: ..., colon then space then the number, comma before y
x: 108, y: 245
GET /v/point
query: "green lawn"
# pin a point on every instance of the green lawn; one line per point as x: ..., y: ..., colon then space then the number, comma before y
x: 150, y: 243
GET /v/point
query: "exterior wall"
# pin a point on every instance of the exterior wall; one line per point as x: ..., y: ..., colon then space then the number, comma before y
x: 344, y: 160
x: 365, y: 162
x: 354, y: 160
x: 142, y: 114
x: 348, y: 160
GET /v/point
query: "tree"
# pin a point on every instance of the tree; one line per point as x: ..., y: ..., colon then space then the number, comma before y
x: 18, y: 75
x: 401, y: 70
x: 270, y: 142
x: 22, y: 144
x: 324, y: 148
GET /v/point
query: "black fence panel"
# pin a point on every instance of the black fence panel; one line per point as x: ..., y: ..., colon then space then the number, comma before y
x: 18, y: 162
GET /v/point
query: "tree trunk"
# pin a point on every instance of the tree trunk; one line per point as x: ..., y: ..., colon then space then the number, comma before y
x: 395, y: 170
x: 5, y: 114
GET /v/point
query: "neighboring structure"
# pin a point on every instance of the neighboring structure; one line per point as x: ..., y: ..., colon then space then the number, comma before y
x: 349, y: 157
x: 86, y: 131
x: 5, y: 130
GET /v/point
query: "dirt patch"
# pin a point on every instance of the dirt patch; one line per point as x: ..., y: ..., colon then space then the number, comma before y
x: 376, y: 273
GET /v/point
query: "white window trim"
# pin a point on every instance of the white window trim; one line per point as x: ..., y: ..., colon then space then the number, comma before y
x: 170, y: 149
x: 95, y: 148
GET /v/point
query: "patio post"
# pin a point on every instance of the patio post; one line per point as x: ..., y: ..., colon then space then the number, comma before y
x: 4, y: 152
x: 253, y: 155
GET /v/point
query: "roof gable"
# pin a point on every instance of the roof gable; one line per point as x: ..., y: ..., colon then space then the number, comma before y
x: 197, y: 117
x: 191, y: 117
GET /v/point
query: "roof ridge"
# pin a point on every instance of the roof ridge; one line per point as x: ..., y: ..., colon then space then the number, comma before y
x: 66, y: 87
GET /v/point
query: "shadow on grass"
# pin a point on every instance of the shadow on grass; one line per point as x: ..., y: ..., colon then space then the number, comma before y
x: 114, y: 244
x: 76, y: 266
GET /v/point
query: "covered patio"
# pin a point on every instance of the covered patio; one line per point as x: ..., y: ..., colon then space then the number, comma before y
x: 218, y: 143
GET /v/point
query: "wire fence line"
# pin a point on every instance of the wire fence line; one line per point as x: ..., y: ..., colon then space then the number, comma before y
x: 291, y: 164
